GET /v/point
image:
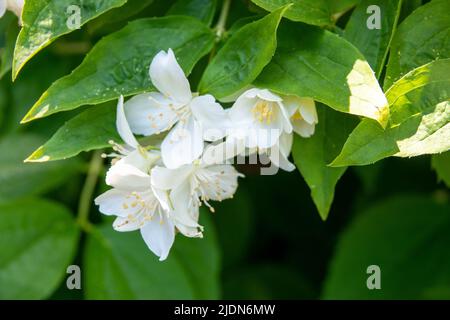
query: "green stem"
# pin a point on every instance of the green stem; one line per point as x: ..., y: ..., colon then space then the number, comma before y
x: 221, y: 24
x: 85, y: 201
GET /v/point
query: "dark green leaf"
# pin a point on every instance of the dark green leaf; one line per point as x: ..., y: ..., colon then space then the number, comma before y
x: 242, y: 57
x: 120, y: 266
x: 7, y: 49
x: 421, y: 38
x: 129, y: 9
x: 46, y: 20
x: 18, y: 179
x: 408, y: 239
x: 441, y: 164
x: 118, y: 64
x: 38, y: 241
x: 90, y: 130
x: 312, y: 156
x: 374, y: 43
x: 203, y: 10
x: 316, y: 12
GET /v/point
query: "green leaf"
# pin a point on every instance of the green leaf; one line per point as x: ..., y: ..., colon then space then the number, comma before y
x: 441, y: 164
x: 316, y: 12
x: 311, y: 62
x: 46, y: 20
x: 119, y: 63
x: 419, y: 121
x: 7, y: 48
x: 374, y: 43
x: 120, y: 266
x: 341, y: 6
x: 312, y: 155
x: 203, y: 10
x: 421, y: 38
x: 408, y: 238
x: 38, y: 241
x: 242, y: 57
x: 129, y: 9
x: 90, y: 130
x: 18, y: 179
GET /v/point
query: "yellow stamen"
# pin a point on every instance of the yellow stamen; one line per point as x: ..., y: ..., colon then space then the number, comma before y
x: 263, y: 111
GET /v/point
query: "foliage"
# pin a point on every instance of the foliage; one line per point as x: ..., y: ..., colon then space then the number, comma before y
x: 383, y: 107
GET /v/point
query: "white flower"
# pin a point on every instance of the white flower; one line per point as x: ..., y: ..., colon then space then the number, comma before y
x: 194, y: 119
x: 279, y: 153
x: 259, y: 118
x: 15, y: 6
x: 134, y: 200
x: 303, y: 114
x: 196, y: 183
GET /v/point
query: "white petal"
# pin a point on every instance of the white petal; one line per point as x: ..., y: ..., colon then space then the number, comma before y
x: 279, y: 154
x: 266, y: 135
x: 163, y: 198
x: 263, y: 94
x: 140, y: 159
x: 183, y: 144
x: 2, y: 7
x: 125, y: 224
x: 159, y: 235
x: 303, y: 128
x: 223, y: 181
x: 186, y: 211
x: 166, y: 179
x: 308, y: 110
x: 150, y: 113
x: 116, y: 202
x: 280, y: 160
x: 268, y: 96
x: 16, y: 6
x: 127, y: 177
x: 285, y: 143
x: 286, y: 119
x: 240, y: 114
x: 168, y: 77
x: 212, y: 117
x: 122, y: 126
x: 222, y: 152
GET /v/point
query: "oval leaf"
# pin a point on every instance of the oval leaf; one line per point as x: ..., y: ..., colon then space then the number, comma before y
x: 38, y: 241
x: 420, y: 39
x: 374, y: 43
x: 419, y: 123
x: 312, y: 156
x: 46, y: 20
x: 316, y: 12
x: 408, y: 239
x: 242, y: 57
x: 203, y: 10
x: 118, y: 64
x: 18, y: 179
x: 90, y: 130
x: 311, y: 62
x: 120, y: 266
x: 441, y: 164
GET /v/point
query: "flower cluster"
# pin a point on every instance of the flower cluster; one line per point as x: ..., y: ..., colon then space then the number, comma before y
x: 15, y: 6
x: 159, y: 189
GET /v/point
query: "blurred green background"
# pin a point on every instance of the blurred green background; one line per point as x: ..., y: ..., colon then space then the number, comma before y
x: 267, y: 243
